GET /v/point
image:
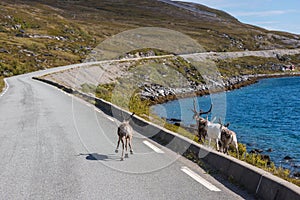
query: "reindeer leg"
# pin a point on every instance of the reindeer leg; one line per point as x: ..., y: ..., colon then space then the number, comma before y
x: 122, y: 157
x: 226, y: 150
x: 200, y: 138
x: 126, y: 145
x: 217, y: 141
x: 221, y: 146
x: 118, y: 145
x: 130, y: 145
x: 237, y: 150
x: 204, y: 136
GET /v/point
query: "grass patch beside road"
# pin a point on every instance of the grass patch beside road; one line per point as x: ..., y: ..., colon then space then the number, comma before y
x: 2, y: 85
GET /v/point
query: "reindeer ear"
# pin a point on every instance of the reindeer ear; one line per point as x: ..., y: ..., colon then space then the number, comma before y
x: 226, y: 125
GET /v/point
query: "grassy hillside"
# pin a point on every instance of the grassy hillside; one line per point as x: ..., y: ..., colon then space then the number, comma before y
x: 42, y: 34
x: 255, y: 65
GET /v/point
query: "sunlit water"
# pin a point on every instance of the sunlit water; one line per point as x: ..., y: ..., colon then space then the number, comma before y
x: 265, y: 115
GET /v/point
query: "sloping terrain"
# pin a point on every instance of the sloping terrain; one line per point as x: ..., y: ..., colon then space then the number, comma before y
x: 41, y: 34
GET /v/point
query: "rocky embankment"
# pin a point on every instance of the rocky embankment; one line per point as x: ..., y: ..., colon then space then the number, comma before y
x: 275, y: 53
x: 171, y: 68
x: 158, y: 93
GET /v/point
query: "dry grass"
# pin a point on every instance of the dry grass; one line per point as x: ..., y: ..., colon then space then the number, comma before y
x: 1, y: 84
x: 85, y: 24
x: 254, y: 65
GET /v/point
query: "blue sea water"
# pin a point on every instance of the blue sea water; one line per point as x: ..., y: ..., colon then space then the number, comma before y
x: 265, y: 115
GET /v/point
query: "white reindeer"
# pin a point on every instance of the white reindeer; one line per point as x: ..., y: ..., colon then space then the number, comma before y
x: 213, y: 132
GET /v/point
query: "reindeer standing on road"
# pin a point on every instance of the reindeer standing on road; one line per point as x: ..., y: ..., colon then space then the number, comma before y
x: 125, y: 133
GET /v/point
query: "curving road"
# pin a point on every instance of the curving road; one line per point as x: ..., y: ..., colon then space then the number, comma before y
x: 55, y: 146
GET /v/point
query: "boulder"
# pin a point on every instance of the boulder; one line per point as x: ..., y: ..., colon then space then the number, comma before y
x: 296, y: 174
x: 2, y: 50
x: 257, y: 151
x: 287, y: 158
x: 266, y: 158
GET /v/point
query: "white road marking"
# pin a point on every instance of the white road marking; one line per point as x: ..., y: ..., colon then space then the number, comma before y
x: 110, y: 118
x: 6, y: 88
x: 199, y: 179
x: 88, y: 105
x: 153, y: 147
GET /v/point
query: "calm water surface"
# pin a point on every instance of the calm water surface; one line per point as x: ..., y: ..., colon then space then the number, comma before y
x: 264, y: 115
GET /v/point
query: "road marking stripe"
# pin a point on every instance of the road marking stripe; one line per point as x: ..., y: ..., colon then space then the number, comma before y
x: 111, y: 119
x: 6, y: 88
x: 199, y: 179
x: 88, y: 105
x: 153, y: 147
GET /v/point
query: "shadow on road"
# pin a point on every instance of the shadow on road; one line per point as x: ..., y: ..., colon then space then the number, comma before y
x: 102, y: 157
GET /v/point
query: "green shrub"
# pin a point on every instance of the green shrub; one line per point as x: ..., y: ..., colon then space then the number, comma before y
x: 258, y: 161
x: 88, y: 88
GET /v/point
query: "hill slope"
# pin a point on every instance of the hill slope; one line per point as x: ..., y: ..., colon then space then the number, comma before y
x: 41, y: 34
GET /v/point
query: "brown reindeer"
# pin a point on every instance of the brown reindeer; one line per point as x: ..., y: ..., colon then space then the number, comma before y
x: 201, y: 122
x: 125, y: 133
x: 228, y: 137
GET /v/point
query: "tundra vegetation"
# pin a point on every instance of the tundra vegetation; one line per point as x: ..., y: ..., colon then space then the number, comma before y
x: 255, y: 65
x: 37, y: 34
x: 1, y: 83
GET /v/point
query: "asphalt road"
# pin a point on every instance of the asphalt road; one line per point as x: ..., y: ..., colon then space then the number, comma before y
x: 56, y: 146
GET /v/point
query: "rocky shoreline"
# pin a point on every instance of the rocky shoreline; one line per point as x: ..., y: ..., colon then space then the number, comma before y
x: 158, y: 94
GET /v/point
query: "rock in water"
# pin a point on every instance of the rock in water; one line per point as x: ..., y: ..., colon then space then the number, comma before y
x: 296, y: 174
x: 287, y: 158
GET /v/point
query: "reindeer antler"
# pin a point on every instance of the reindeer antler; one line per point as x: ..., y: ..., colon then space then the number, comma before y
x: 194, y: 104
x: 201, y: 112
x: 194, y: 110
x: 220, y: 121
x: 225, y: 125
x: 207, y: 112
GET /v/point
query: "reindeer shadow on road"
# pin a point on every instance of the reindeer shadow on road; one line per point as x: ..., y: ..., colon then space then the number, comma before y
x: 102, y: 157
